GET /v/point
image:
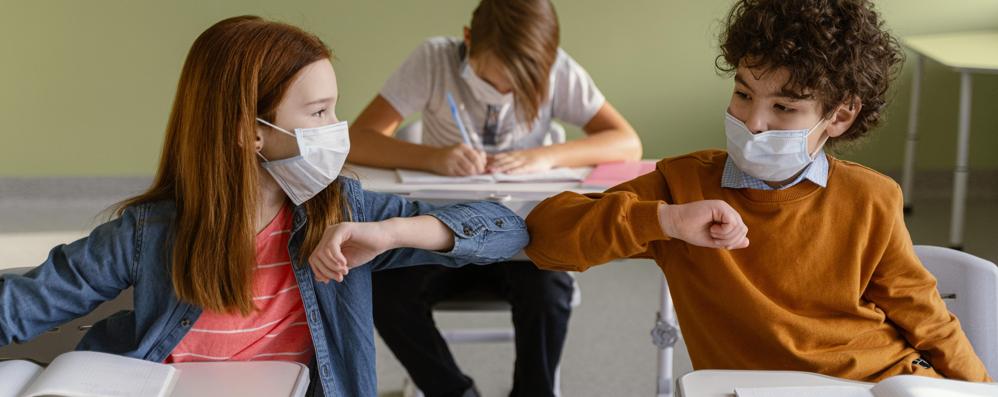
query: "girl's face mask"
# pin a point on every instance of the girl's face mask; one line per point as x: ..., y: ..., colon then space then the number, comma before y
x: 322, y: 153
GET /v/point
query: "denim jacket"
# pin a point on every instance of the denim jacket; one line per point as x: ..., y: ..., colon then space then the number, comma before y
x: 134, y: 249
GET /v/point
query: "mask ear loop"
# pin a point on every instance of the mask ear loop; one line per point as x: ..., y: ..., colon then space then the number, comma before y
x: 264, y: 122
x: 821, y: 144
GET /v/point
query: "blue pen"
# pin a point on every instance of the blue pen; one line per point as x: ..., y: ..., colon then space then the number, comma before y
x: 457, y: 120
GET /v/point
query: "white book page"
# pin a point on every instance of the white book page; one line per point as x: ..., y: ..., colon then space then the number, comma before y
x: 561, y: 174
x: 921, y: 386
x: 92, y: 374
x: 804, y: 391
x: 16, y: 375
x: 420, y: 177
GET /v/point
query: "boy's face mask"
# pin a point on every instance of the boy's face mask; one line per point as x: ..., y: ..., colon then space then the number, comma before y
x: 322, y: 152
x: 772, y: 156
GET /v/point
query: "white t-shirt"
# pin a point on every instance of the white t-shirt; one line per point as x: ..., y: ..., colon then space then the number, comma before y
x: 434, y: 69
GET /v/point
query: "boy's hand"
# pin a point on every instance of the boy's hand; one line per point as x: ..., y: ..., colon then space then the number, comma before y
x: 707, y: 223
x: 458, y: 160
x: 521, y: 161
x: 346, y: 245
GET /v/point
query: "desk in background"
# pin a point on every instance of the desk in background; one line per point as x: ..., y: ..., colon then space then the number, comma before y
x: 966, y: 53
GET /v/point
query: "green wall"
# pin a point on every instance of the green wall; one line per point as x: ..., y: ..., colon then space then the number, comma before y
x: 87, y: 85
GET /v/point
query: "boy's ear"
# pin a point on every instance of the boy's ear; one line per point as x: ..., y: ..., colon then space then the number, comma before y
x: 843, y: 117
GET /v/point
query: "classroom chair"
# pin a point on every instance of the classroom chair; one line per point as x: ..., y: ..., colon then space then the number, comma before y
x: 968, y: 285
x: 479, y: 301
x: 482, y: 301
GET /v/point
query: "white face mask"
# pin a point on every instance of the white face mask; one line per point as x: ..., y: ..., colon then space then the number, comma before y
x: 322, y: 152
x: 482, y: 90
x: 772, y: 156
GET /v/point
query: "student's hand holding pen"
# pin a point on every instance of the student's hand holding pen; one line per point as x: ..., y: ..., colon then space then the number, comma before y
x: 521, y: 161
x: 707, y: 223
x: 458, y: 160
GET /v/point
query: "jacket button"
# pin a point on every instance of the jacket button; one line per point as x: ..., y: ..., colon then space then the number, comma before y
x: 185, y: 323
x: 499, y: 222
x: 325, y: 371
x: 467, y: 230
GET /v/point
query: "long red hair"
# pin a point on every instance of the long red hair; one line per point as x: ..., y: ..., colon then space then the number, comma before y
x: 237, y: 70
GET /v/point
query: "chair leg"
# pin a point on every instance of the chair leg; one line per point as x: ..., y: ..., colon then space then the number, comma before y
x: 409, y: 388
x: 557, y: 381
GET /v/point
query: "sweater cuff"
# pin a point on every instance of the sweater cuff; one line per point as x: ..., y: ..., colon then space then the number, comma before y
x: 643, y: 218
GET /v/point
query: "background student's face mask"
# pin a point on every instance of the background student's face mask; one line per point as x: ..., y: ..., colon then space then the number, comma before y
x: 772, y: 156
x: 321, y: 154
x: 482, y: 90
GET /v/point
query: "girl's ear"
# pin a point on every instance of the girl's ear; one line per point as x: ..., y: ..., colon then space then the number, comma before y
x: 257, y: 138
x: 467, y: 37
x: 843, y: 117
x: 258, y: 141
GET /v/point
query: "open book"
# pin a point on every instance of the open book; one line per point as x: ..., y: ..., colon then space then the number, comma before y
x: 87, y: 374
x: 92, y: 374
x: 895, y: 386
x: 553, y: 175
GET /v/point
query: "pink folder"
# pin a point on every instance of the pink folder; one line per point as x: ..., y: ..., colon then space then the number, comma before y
x: 611, y: 174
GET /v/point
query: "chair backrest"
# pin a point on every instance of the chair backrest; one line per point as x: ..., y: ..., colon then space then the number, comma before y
x: 412, y: 132
x: 485, y: 301
x: 969, y: 286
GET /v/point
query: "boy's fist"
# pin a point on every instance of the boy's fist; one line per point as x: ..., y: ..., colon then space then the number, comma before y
x: 707, y: 223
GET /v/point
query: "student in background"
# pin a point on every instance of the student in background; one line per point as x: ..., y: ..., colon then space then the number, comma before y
x: 488, y: 104
x: 231, y: 250
x: 830, y: 282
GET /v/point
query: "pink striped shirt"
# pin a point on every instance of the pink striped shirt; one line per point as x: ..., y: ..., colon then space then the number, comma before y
x: 277, y: 330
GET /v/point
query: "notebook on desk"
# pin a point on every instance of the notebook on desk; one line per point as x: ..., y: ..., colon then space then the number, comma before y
x: 608, y: 175
x: 562, y: 174
x: 93, y: 374
x: 895, y: 386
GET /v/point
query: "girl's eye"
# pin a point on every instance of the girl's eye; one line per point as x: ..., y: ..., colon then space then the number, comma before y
x: 319, y: 113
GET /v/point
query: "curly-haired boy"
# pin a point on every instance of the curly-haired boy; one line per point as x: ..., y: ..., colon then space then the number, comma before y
x: 830, y: 283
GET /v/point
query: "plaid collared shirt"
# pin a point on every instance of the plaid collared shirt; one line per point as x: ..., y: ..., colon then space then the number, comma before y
x: 734, y: 178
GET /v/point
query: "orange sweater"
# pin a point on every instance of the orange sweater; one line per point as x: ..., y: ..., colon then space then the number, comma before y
x: 830, y: 283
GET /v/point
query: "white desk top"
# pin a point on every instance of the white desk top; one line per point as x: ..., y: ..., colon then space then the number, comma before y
x: 963, y: 51
x: 722, y: 383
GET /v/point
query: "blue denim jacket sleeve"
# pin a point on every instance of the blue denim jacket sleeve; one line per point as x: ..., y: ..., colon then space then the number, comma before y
x: 74, y: 280
x: 484, y: 232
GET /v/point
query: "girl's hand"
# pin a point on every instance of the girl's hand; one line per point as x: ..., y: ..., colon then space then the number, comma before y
x: 347, y: 245
x: 522, y: 161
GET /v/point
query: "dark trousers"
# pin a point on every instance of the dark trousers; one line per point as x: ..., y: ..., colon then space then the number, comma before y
x: 541, y: 305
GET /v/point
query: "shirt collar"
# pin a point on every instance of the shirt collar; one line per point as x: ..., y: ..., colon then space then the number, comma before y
x: 735, y: 178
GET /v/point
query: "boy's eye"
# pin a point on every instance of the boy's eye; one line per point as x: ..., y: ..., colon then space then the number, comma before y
x: 741, y: 95
x: 784, y: 108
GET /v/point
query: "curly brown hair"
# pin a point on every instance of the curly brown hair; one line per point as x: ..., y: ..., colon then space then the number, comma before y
x: 836, y: 51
